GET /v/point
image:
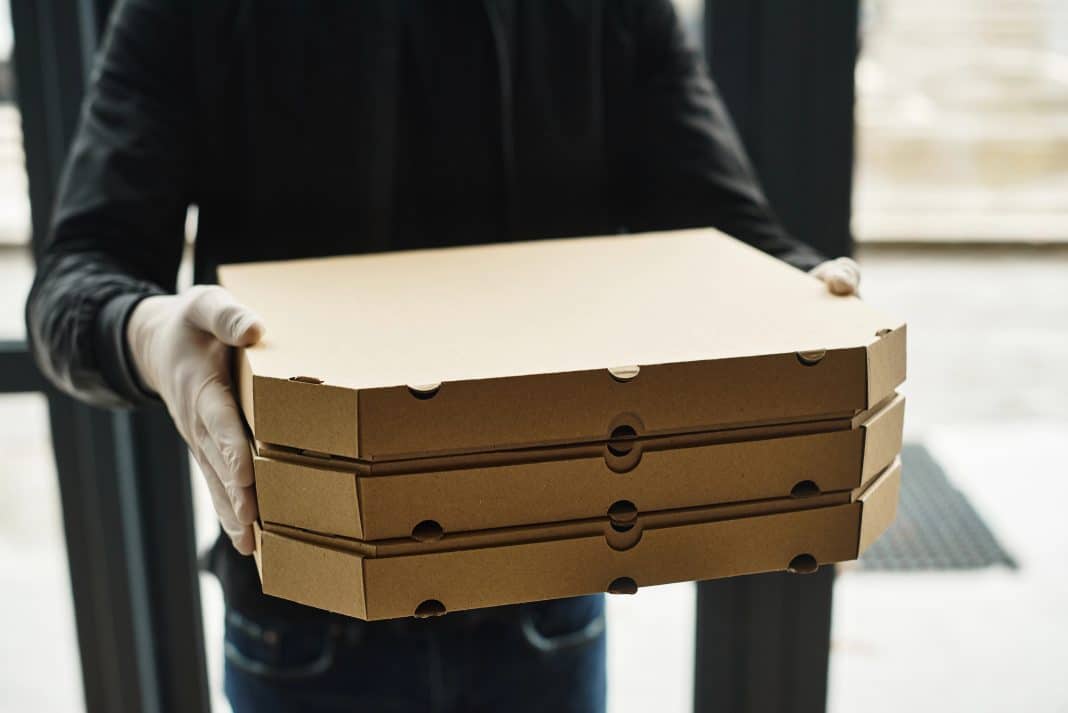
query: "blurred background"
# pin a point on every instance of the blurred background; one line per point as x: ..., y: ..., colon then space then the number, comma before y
x: 959, y: 212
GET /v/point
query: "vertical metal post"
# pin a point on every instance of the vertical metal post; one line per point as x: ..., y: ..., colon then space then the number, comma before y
x: 762, y: 643
x: 123, y: 477
x: 785, y: 69
x: 49, y: 94
x: 18, y: 374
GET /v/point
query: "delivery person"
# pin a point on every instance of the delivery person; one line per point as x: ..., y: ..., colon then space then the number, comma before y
x: 305, y: 128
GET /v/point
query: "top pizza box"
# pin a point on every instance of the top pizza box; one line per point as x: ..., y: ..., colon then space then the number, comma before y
x: 491, y: 348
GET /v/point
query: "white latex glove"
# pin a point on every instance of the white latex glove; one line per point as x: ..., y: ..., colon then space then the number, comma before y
x: 181, y: 345
x: 841, y: 275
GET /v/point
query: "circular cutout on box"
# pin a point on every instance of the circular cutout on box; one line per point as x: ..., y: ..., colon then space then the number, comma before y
x: 623, y: 445
x: 429, y: 608
x: 424, y: 391
x: 622, y: 585
x: 622, y: 464
x: 622, y: 536
x: 811, y: 358
x: 621, y: 440
x: 306, y: 379
x: 803, y: 564
x: 623, y: 374
x: 805, y: 489
x: 623, y: 511
x: 428, y: 531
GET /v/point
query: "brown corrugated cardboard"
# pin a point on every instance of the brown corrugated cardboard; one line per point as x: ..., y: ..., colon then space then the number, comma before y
x: 346, y: 581
x: 561, y: 341
x: 373, y: 501
x: 621, y: 527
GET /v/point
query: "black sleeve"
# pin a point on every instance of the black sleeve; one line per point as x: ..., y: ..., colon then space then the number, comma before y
x: 117, y: 228
x: 691, y: 166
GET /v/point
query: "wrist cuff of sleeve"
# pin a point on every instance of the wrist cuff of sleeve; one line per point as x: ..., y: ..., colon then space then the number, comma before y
x: 112, y: 351
x: 804, y: 258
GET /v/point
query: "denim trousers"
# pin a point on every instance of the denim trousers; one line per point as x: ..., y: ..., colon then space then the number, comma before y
x: 548, y: 656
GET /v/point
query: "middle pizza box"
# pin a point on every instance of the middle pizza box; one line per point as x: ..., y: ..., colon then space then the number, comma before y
x: 426, y: 498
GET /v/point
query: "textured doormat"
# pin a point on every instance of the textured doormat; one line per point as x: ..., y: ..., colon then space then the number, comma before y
x: 936, y: 527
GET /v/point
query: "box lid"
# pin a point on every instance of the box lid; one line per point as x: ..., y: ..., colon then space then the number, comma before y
x: 483, y: 348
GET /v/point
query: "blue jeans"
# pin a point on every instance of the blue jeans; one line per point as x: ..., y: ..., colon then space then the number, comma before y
x: 548, y: 656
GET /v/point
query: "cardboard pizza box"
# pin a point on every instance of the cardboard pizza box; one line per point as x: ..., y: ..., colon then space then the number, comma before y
x: 428, y: 497
x: 421, y: 580
x: 476, y: 349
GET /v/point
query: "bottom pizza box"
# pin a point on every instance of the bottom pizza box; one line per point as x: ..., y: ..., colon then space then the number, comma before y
x: 409, y: 577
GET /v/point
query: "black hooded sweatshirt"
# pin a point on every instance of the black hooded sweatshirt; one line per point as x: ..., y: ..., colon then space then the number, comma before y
x: 304, y: 129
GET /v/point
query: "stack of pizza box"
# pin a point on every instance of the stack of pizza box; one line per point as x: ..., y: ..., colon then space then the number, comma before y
x: 469, y: 427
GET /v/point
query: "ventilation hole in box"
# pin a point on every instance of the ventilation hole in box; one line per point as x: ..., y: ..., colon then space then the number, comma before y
x: 429, y: 608
x: 428, y: 531
x: 424, y: 391
x: 621, y: 440
x: 623, y: 511
x: 805, y: 489
x: 803, y: 564
x: 622, y: 526
x: 306, y: 379
x: 883, y: 332
x: 811, y: 358
x: 623, y: 585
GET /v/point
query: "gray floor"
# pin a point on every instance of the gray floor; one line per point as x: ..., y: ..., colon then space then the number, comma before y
x: 988, y: 336
x: 936, y: 527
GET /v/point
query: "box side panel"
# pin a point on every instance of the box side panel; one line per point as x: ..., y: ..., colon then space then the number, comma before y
x: 886, y: 365
x: 469, y: 579
x: 243, y: 381
x: 524, y: 494
x: 559, y: 408
x: 879, y: 506
x: 585, y: 449
x: 474, y: 498
x: 882, y: 438
x: 308, y: 498
x: 309, y: 574
x: 316, y: 495
x: 315, y: 417
x: 257, y: 534
x: 570, y: 529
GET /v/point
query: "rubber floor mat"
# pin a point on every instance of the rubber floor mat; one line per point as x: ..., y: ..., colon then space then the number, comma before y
x: 936, y: 527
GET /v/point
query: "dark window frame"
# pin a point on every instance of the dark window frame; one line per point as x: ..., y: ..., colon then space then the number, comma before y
x: 123, y: 476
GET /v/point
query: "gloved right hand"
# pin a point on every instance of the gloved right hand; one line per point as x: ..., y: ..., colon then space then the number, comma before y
x: 841, y: 275
x: 181, y: 346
